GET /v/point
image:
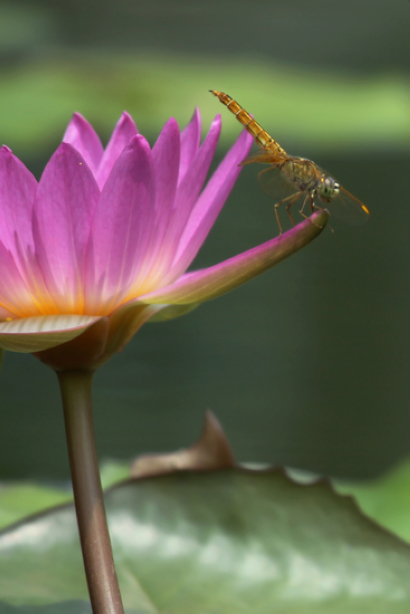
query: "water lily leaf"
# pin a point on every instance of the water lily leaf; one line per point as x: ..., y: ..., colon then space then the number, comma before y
x: 211, y: 451
x: 66, y: 607
x: 385, y: 499
x: 18, y: 500
x: 231, y: 541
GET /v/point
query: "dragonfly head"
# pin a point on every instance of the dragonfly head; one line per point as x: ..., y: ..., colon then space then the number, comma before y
x: 328, y: 189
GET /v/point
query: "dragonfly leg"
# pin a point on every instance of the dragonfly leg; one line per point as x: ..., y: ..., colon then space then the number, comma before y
x: 292, y: 202
x: 313, y: 207
x: 304, y: 203
x: 278, y: 219
x: 293, y: 198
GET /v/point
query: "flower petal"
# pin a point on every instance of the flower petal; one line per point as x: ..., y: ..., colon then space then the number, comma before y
x: 209, y: 204
x: 22, y: 287
x: 206, y: 284
x: 16, y: 300
x: 165, y: 158
x: 122, y: 228
x: 42, y: 332
x: 17, y: 194
x: 166, y: 161
x: 190, y: 137
x: 66, y: 198
x: 191, y: 185
x: 82, y: 136
x: 121, y: 137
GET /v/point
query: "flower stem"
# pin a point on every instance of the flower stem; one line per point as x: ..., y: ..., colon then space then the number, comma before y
x: 102, y: 580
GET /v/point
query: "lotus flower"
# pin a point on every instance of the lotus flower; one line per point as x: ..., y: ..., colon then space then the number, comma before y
x: 101, y: 244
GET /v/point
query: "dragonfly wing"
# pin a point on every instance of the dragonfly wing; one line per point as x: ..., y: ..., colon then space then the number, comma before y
x: 263, y: 157
x: 274, y: 183
x: 348, y: 209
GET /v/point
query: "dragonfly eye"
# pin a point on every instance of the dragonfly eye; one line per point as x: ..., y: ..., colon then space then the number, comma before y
x: 329, y: 188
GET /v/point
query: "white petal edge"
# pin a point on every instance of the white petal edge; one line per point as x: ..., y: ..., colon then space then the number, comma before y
x: 42, y: 332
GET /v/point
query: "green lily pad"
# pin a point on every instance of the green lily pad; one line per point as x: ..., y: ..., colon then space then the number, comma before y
x: 232, y: 541
x: 67, y: 607
x: 385, y: 499
x: 19, y: 499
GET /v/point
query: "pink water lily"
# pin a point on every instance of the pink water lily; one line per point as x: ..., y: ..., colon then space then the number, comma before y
x: 102, y: 242
x: 97, y: 248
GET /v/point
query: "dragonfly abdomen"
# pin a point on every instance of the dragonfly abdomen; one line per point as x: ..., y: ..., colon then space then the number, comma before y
x: 263, y: 139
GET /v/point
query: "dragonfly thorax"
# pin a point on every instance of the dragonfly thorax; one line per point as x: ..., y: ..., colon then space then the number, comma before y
x: 328, y: 189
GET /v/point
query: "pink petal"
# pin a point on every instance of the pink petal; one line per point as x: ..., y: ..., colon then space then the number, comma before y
x: 165, y: 158
x: 210, y: 204
x: 15, y: 298
x: 66, y: 198
x: 121, y: 137
x: 190, y: 138
x: 207, y: 284
x: 17, y: 193
x: 82, y: 136
x: 122, y: 226
x: 191, y: 185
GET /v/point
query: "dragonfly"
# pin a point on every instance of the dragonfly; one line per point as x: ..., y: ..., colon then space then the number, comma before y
x: 299, y: 176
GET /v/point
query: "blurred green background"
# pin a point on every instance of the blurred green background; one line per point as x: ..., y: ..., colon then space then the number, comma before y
x: 305, y: 366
